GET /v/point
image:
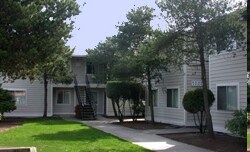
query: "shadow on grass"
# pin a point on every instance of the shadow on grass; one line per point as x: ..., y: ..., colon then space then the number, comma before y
x: 50, y: 121
x: 75, y: 135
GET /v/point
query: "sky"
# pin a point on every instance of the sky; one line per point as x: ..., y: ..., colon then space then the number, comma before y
x: 98, y: 20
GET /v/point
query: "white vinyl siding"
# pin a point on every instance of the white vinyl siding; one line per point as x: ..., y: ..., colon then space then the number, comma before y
x: 172, y: 98
x: 228, y: 69
x: 162, y: 113
x: 227, y: 97
x: 34, y: 98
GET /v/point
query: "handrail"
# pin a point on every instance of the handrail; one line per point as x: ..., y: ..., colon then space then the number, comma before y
x: 77, y: 91
x: 89, y: 95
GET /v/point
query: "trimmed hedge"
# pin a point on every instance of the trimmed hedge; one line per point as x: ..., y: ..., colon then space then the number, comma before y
x: 193, y: 101
x: 125, y: 90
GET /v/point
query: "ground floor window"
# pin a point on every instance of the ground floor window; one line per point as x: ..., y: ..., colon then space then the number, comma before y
x: 63, y: 97
x: 227, y: 97
x: 172, y: 98
x: 19, y: 96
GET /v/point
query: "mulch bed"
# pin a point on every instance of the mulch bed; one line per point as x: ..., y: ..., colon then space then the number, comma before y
x: 9, y: 123
x: 145, y: 125
x: 221, y: 143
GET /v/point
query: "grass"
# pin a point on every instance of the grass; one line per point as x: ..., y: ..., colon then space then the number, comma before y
x: 54, y: 135
x: 248, y: 140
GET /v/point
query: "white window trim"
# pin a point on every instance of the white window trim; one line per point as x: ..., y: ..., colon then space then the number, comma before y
x: 18, y: 89
x: 69, y: 97
x: 238, y: 94
x: 178, y: 89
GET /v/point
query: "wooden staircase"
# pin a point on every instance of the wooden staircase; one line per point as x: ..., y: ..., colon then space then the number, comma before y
x: 86, y: 105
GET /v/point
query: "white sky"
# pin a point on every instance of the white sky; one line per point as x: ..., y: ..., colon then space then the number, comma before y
x: 98, y: 19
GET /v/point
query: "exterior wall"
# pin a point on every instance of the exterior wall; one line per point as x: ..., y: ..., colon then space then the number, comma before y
x: 193, y: 73
x: 64, y: 108
x: 228, y: 68
x: 34, y: 97
x: 100, y: 100
x: 78, y: 66
x: 165, y: 114
x: 35, y: 92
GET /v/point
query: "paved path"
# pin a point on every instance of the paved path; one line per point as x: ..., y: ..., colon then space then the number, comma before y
x: 145, y: 138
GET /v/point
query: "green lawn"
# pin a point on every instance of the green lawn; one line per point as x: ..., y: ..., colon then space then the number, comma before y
x: 58, y: 135
x: 248, y: 140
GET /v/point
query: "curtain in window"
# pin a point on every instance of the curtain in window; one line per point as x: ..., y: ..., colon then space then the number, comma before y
x: 175, y: 98
x: 66, y: 97
x: 231, y: 98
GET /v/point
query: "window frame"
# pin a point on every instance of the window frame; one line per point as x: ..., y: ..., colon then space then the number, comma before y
x: 70, y: 96
x: 17, y: 103
x: 178, y: 97
x: 238, y: 95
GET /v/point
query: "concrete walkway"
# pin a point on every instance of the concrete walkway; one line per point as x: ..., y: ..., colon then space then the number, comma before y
x: 145, y: 138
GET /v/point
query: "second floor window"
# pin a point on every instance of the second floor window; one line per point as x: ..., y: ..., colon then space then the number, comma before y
x: 90, y: 68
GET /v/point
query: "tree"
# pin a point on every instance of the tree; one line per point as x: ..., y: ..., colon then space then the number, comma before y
x: 193, y: 102
x: 16, y: 37
x: 204, y: 25
x: 121, y: 92
x: 55, y: 69
x: 53, y: 24
x: 138, y: 52
x: 7, y: 103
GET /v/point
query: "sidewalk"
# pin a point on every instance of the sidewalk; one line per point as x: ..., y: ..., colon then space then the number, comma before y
x: 145, y: 138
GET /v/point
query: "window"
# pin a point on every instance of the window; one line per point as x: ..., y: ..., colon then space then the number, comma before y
x: 227, y: 97
x: 90, y: 68
x: 63, y: 97
x: 19, y: 96
x: 155, y: 97
x: 172, y: 98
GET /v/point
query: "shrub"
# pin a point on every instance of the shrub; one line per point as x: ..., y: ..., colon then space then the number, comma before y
x: 7, y: 103
x: 78, y: 114
x: 193, y: 102
x: 238, y: 125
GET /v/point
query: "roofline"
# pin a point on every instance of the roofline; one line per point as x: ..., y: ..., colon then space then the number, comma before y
x: 78, y: 56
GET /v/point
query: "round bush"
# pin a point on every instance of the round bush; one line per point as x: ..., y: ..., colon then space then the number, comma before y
x: 193, y: 101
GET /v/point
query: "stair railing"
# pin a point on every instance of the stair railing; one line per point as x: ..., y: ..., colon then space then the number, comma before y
x: 89, y: 98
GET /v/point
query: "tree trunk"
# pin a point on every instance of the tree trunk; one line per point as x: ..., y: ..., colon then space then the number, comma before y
x: 45, y: 81
x: 113, y: 105
x: 150, y: 100
x: 204, y: 87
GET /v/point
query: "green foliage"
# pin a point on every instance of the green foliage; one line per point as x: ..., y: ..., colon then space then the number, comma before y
x: 125, y: 90
x: 238, y: 125
x: 7, y: 103
x: 120, y: 92
x: 193, y: 100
